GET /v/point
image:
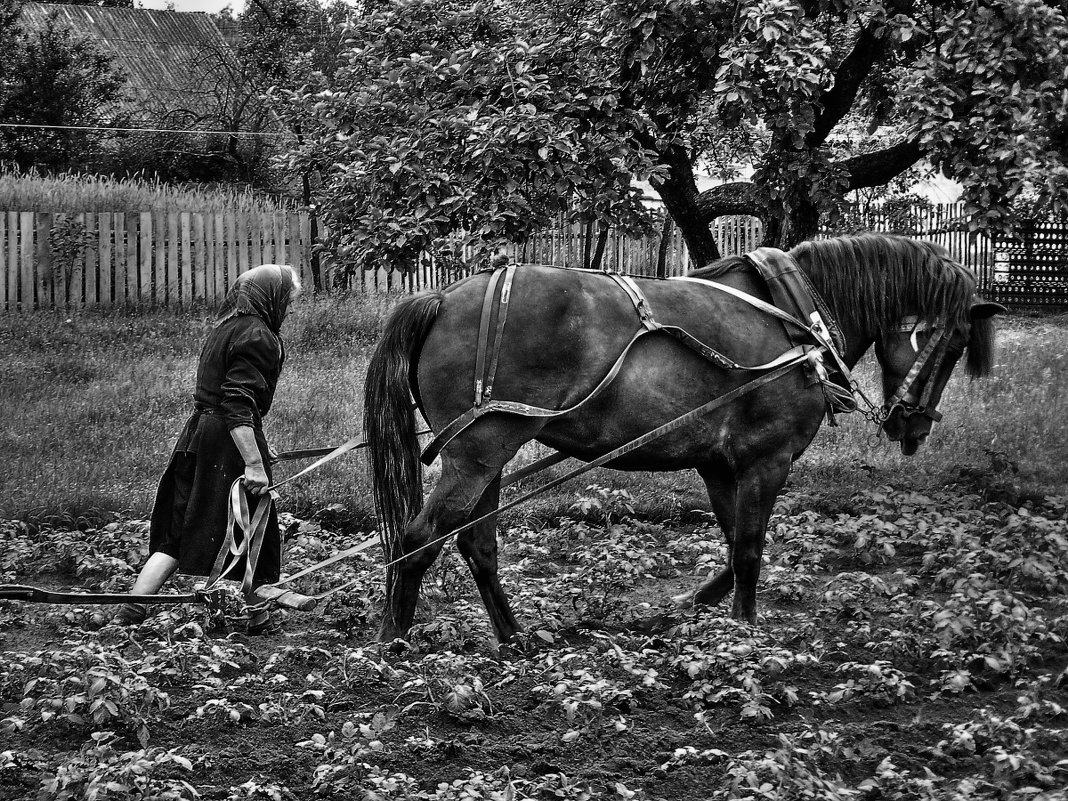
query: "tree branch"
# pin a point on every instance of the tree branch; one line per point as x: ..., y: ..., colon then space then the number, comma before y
x: 740, y: 197
x: 849, y: 76
x: 875, y: 169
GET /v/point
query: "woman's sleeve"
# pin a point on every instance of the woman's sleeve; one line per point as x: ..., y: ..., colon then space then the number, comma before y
x: 252, y: 359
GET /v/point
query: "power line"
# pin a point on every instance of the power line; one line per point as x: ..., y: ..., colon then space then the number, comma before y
x: 144, y: 130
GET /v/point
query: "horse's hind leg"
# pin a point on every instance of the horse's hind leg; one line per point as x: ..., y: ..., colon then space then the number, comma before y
x: 721, y: 494
x: 757, y: 489
x: 478, y: 546
x: 470, y: 464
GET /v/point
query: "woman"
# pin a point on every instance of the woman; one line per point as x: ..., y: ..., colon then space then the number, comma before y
x: 222, y: 441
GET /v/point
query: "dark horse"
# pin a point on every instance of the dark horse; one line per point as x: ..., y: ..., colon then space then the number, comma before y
x: 565, y: 330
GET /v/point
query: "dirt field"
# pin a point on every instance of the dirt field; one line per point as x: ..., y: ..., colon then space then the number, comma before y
x: 911, y: 646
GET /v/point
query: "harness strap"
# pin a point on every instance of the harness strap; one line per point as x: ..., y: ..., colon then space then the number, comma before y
x: 778, y: 313
x: 483, y: 333
x: 928, y: 390
x: 445, y: 436
x: 484, y: 404
x: 633, y: 445
x: 502, y: 318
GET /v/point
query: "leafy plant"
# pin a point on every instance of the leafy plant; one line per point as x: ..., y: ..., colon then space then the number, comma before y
x: 100, y: 771
x: 733, y: 663
x: 86, y: 687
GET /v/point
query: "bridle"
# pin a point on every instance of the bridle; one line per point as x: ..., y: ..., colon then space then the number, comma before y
x: 934, y: 352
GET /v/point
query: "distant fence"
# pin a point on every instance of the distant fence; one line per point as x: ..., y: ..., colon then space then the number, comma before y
x: 182, y: 258
x: 1027, y: 271
x: 55, y: 260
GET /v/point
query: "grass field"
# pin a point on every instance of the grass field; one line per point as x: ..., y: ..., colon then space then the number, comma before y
x: 92, y: 403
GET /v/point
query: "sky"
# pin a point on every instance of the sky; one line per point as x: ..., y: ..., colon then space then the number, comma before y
x: 193, y: 5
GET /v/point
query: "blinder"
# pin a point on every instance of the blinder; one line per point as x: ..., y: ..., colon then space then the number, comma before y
x: 905, y: 398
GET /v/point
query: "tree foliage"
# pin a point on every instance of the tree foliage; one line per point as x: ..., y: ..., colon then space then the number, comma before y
x: 492, y: 117
x: 479, y: 119
x: 50, y: 77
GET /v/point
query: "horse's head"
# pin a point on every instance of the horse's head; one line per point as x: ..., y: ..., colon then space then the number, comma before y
x: 917, y: 357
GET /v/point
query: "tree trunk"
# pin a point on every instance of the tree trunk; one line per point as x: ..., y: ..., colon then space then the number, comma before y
x: 598, y: 253
x: 665, y: 241
x: 679, y: 193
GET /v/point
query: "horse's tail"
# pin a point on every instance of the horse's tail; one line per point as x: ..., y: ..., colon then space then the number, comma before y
x: 389, y: 418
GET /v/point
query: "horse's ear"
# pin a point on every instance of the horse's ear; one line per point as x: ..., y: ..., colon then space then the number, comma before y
x: 982, y: 309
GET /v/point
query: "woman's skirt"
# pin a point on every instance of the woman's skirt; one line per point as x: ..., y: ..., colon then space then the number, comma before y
x: 192, y: 502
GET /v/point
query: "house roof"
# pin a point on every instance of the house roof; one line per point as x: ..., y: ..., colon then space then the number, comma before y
x: 176, y: 63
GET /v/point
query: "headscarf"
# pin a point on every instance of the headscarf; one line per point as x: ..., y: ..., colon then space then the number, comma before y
x: 264, y: 291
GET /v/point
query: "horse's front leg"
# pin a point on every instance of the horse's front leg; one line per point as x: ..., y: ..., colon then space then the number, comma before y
x: 758, y: 488
x: 721, y: 494
x: 478, y: 546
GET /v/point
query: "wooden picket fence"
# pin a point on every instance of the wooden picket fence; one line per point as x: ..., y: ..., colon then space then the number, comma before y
x: 53, y: 260
x: 567, y: 245
x: 162, y: 258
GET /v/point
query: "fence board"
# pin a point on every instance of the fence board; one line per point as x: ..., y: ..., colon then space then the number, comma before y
x: 12, y: 219
x: 118, y: 256
x: 27, y: 226
x: 218, y: 259
x: 174, y: 266
x: 231, y: 250
x: 146, y: 291
x: 294, y: 250
x: 132, y: 263
x: 43, y: 259
x: 92, y: 261
x: 75, y: 298
x: 200, y: 258
x: 305, y: 238
x: 159, y: 257
x: 185, y: 257
x: 242, y: 243
x: 104, y: 258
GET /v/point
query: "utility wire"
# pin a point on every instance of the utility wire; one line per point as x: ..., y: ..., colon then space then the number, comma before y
x: 139, y: 130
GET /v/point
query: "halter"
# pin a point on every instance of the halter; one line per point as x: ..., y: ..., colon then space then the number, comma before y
x: 935, y: 350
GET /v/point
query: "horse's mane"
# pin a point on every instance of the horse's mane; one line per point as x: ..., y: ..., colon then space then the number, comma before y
x: 873, y: 280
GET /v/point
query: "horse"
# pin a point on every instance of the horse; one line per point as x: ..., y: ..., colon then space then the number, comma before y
x: 568, y: 331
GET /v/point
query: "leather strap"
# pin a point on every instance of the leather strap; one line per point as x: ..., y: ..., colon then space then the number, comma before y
x: 483, y: 333
x: 498, y: 336
x: 633, y: 445
x: 484, y: 406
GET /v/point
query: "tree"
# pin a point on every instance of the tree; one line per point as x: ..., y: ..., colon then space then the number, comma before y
x: 493, y: 117
x: 975, y: 88
x: 454, y: 118
x: 48, y: 77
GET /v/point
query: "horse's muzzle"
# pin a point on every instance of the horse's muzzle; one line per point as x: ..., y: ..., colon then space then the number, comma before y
x: 908, y: 425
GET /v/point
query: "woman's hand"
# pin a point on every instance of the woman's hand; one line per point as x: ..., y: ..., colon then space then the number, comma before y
x: 256, y: 481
